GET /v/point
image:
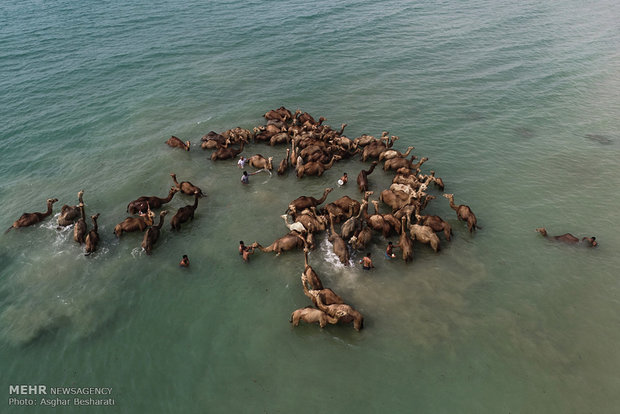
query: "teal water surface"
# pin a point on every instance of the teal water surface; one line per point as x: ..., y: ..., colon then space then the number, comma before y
x: 514, y: 104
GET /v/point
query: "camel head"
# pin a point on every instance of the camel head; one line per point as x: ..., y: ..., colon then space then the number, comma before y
x: 80, y: 194
x: 174, y: 190
x: 542, y: 231
x: 51, y: 200
x: 449, y: 196
x: 95, y: 217
x: 173, y: 175
x: 163, y: 213
x: 329, y: 189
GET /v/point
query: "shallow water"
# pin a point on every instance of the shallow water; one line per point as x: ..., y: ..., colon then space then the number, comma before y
x: 513, y: 104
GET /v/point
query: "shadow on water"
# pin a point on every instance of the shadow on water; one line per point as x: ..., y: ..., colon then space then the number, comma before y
x: 599, y: 138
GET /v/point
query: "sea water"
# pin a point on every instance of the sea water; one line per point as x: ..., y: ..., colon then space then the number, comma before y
x: 514, y: 103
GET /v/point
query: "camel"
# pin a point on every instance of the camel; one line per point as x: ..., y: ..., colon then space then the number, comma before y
x: 309, y: 275
x: 280, y: 138
x: 177, y: 143
x: 340, y: 247
x: 186, y: 187
x: 312, y: 221
x: 362, y: 180
x: 405, y: 243
x: 226, y: 153
x: 152, y: 233
x: 303, y: 202
x: 396, y: 163
x: 134, y: 224
x: 353, y: 225
x: 80, y: 228
x: 316, y: 167
x: 397, y: 199
x: 388, y: 154
x: 436, y: 223
x: 568, y: 238
x: 184, y: 214
x: 287, y: 242
x: 438, y: 181
x: 328, y: 296
x: 258, y: 161
x: 28, y: 219
x: 284, y: 163
x: 361, y: 240
x: 265, y: 133
x: 68, y: 214
x: 365, y: 139
x: 297, y: 226
x: 375, y: 148
x: 343, y: 312
x: 145, y: 202
x: 376, y: 221
x: 213, y: 140
x: 281, y: 114
x: 92, y: 238
x: 463, y: 212
x: 312, y: 315
x: 424, y: 234
x: 238, y: 134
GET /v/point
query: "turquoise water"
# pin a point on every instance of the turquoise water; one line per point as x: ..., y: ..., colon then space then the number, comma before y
x: 515, y: 105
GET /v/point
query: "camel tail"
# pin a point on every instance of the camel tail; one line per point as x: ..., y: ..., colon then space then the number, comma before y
x: 8, y: 230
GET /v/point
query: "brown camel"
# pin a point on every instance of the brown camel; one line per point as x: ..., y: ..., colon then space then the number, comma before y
x: 80, y: 228
x: 309, y: 275
x: 28, y: 219
x: 92, y: 238
x: 362, y: 177
x: 287, y: 242
x: 284, y: 163
x: 463, y: 212
x: 177, y: 143
x: 312, y: 221
x: 186, y: 187
x: 377, y: 221
x: 343, y: 312
x: 226, y: 153
x: 375, y: 148
x: 152, y: 234
x: 304, y: 202
x: 568, y: 238
x: 438, y: 181
x: 361, y: 240
x: 131, y: 224
x: 184, y: 214
x: 328, y: 296
x: 388, y: 154
x: 316, y: 167
x: 353, y: 225
x: 68, y: 214
x: 312, y: 315
x: 258, y: 161
x: 145, y: 202
x: 405, y: 243
x: 280, y: 138
x: 436, y: 223
x: 340, y: 247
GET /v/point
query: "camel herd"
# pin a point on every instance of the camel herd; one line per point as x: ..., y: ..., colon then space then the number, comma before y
x: 311, y: 148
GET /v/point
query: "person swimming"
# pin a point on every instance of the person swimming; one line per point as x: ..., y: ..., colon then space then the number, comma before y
x: 184, y: 261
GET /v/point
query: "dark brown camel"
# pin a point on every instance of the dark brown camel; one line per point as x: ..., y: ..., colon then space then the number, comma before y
x: 437, y: 224
x: 227, y: 153
x: 316, y: 167
x: 92, y: 238
x: 145, y: 202
x: 362, y: 177
x: 152, y: 234
x: 186, y: 187
x: 328, y: 296
x: 463, y: 212
x: 184, y: 214
x: 303, y: 202
x: 309, y: 274
x: 405, y: 243
x: 568, y: 238
x: 340, y: 247
x: 80, y: 228
x: 28, y: 219
x: 68, y: 214
x: 177, y: 143
x: 284, y: 163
